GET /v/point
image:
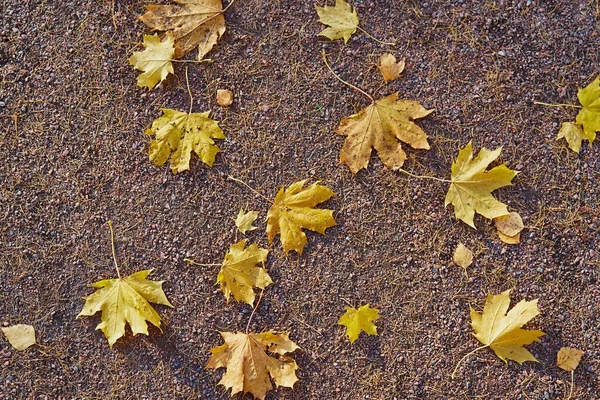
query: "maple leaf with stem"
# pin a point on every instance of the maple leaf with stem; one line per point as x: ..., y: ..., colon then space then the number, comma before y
x: 249, y: 367
x: 154, y: 61
x: 360, y: 320
x: 239, y: 273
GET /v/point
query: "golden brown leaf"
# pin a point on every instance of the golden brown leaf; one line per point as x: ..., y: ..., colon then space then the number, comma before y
x: 463, y: 257
x: 224, y: 97
x: 390, y: 69
x: 382, y: 126
x: 509, y: 227
x: 568, y: 358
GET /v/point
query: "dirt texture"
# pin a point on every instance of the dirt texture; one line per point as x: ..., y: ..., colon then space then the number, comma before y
x: 75, y: 156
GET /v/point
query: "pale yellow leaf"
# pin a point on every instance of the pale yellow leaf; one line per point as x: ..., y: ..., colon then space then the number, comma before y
x: 20, y: 336
x: 510, y: 224
x: 516, y: 239
x: 390, y: 69
x: 125, y: 300
x: 360, y: 320
x: 244, y: 220
x: 463, y: 257
x: 239, y: 273
x: 154, y: 61
x: 472, y: 186
x: 178, y: 134
x: 500, y: 329
x: 568, y: 358
x: 342, y: 20
x: 249, y: 367
x: 293, y: 210
x: 194, y: 23
x: 382, y: 126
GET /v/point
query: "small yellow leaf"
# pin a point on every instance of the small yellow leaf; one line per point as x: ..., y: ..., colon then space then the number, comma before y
x: 245, y: 220
x: 568, y: 358
x: 293, y: 209
x: 248, y: 364
x: 359, y: 320
x: 589, y: 115
x: 510, y: 224
x: 154, y: 61
x: 239, y: 273
x: 195, y: 23
x: 224, y: 97
x: 178, y: 134
x: 516, y: 239
x: 501, y: 331
x: 20, y: 336
x: 341, y: 19
x: 472, y: 186
x: 574, y: 135
x: 389, y: 68
x: 463, y: 257
x: 382, y: 126
x: 125, y: 300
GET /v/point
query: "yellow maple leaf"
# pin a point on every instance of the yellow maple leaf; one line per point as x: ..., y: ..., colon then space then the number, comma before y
x: 472, y: 186
x: 568, y: 358
x: 125, y: 300
x: 239, y: 273
x: 293, y: 209
x: 177, y: 134
x: 195, y: 23
x: 589, y: 115
x: 20, y: 336
x: 341, y: 19
x: 245, y: 220
x: 382, y: 126
x: 154, y: 61
x: 248, y: 364
x: 501, y: 331
x: 389, y: 68
x: 359, y: 320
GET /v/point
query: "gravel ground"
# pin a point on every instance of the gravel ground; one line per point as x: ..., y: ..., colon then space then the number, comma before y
x: 76, y: 157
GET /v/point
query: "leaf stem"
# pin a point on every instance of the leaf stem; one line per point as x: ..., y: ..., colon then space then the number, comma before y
x: 254, y: 310
x: 114, y: 252
x: 204, y: 60
x: 374, y: 38
x: 467, y: 355
x: 540, y: 103
x: 424, y: 177
x: 249, y: 187
x: 343, y: 81
x: 187, y: 82
x: 571, y: 390
x: 192, y: 262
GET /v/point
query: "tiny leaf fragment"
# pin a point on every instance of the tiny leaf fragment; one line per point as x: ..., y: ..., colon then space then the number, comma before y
x: 360, y: 320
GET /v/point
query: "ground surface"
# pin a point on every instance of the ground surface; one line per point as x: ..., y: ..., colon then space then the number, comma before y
x: 76, y: 157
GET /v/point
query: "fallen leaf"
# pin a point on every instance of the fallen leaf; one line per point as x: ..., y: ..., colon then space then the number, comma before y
x: 177, y: 134
x: 589, y: 116
x: 509, y: 227
x: 248, y: 364
x: 568, y: 358
x: 195, y: 23
x: 389, y: 68
x: 125, y: 300
x: 574, y: 135
x: 359, y: 320
x: 516, y: 239
x: 154, y: 61
x: 463, y: 257
x: 471, y: 187
x: 20, y: 336
x: 382, y: 126
x: 293, y: 209
x: 224, y: 97
x: 342, y: 20
x: 245, y: 220
x: 239, y: 273
x: 501, y: 331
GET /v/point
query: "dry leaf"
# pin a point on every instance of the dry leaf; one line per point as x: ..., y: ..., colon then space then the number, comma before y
x: 245, y: 220
x: 248, y: 364
x: 20, y: 336
x: 239, y: 273
x: 389, y: 68
x: 342, y: 20
x: 125, y: 300
x: 224, y: 97
x: 472, y: 186
x: 574, y: 135
x: 359, y: 320
x: 501, y: 331
x: 195, y: 23
x: 382, y: 126
x: 568, y: 358
x: 178, y: 134
x: 463, y: 257
x: 154, y: 61
x: 516, y: 239
x: 510, y: 224
x: 293, y: 209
